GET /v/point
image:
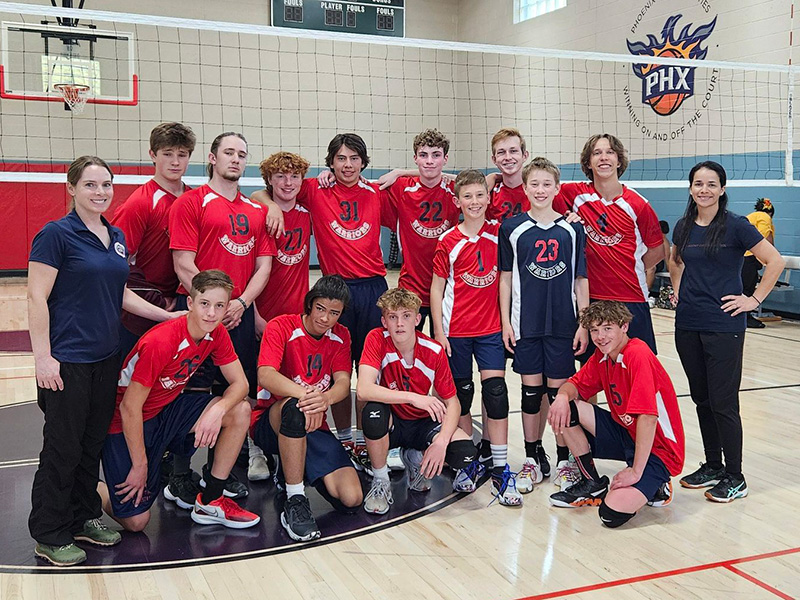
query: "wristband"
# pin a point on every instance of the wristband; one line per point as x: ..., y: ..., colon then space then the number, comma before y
x: 244, y: 304
x: 756, y: 299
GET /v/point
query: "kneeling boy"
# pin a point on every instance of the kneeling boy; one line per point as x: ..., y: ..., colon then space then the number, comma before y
x: 152, y: 415
x: 303, y: 368
x: 405, y: 379
x: 642, y: 428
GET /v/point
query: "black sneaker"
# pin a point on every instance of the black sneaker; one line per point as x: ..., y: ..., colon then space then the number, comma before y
x: 233, y: 487
x: 728, y: 489
x: 663, y: 496
x: 182, y: 490
x: 298, y: 521
x: 586, y: 492
x: 543, y: 460
x: 705, y: 476
x: 753, y: 323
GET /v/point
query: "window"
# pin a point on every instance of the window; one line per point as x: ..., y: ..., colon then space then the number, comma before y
x: 528, y: 9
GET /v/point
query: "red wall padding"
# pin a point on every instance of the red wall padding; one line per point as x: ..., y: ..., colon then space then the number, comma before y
x: 27, y: 207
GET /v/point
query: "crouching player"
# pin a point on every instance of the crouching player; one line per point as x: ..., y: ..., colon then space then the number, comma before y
x: 404, y: 377
x: 152, y: 415
x: 303, y: 368
x: 643, y: 427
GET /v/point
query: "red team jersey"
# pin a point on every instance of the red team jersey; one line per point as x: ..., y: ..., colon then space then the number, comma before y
x: 164, y: 359
x: 227, y: 235
x: 429, y: 370
x: 618, y: 233
x: 144, y: 219
x: 347, y: 227
x: 288, y: 280
x: 420, y: 215
x: 471, y: 303
x: 290, y: 350
x: 637, y: 384
x: 505, y: 202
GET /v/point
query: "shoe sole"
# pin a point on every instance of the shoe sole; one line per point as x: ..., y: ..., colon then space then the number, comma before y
x: 376, y: 512
x: 227, y: 493
x: 209, y: 520
x: 176, y: 499
x: 258, y: 477
x: 578, y: 503
x: 663, y: 503
x: 87, y: 539
x: 57, y: 563
x: 299, y: 538
x: 699, y: 486
x: 726, y: 500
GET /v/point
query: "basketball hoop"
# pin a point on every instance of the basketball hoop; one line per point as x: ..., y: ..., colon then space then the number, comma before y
x: 75, y: 96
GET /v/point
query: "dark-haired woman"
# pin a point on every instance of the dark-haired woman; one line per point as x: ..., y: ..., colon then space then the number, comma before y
x: 710, y: 321
x: 76, y: 288
x: 761, y: 218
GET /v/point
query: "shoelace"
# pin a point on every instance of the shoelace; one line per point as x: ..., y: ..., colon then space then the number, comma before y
x: 96, y: 523
x: 508, y: 478
x: 302, y: 510
x: 568, y: 473
x: 380, y: 489
x: 527, y: 470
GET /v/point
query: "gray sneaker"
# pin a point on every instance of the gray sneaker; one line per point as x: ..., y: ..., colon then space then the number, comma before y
x: 379, y: 497
x: 60, y: 556
x: 412, y: 459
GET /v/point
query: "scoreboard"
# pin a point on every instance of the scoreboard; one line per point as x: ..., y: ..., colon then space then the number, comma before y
x: 375, y: 17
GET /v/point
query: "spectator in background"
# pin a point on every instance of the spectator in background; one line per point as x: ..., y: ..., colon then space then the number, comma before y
x: 661, y: 267
x: 761, y: 218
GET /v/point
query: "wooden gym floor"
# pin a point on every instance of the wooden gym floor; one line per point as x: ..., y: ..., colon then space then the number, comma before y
x: 468, y: 550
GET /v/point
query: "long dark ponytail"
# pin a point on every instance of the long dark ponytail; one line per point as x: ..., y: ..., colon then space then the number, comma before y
x: 716, y: 229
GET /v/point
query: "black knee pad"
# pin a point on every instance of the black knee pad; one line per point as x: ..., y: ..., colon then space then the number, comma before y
x: 465, y: 392
x: 574, y: 417
x: 612, y: 518
x: 293, y: 421
x: 532, y: 398
x: 495, y: 397
x: 460, y: 453
x: 551, y: 394
x: 375, y: 420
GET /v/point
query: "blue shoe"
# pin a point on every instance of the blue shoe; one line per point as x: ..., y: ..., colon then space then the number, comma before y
x: 504, y: 485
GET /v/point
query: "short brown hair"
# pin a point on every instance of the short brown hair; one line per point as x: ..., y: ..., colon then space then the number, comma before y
x: 79, y: 165
x: 433, y: 138
x: 209, y: 280
x: 172, y: 135
x: 540, y: 163
x: 616, y: 146
x: 507, y: 132
x: 468, y: 177
x: 282, y: 162
x: 398, y: 298
x: 605, y: 311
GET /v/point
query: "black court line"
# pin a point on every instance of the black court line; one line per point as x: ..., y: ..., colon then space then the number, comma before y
x: 775, y: 337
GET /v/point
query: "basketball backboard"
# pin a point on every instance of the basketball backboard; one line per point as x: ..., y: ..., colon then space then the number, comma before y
x: 35, y: 59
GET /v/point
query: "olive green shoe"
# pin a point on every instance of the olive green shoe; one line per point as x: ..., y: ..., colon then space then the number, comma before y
x: 60, y: 556
x: 95, y: 532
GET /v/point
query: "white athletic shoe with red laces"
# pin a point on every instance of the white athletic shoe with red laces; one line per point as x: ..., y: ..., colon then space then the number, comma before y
x: 223, y: 511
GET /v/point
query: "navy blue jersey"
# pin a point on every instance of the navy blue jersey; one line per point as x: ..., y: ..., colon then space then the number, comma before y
x: 706, y: 279
x: 544, y: 261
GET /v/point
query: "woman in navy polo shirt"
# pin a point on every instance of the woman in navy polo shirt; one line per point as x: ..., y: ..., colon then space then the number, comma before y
x: 710, y: 321
x: 76, y: 288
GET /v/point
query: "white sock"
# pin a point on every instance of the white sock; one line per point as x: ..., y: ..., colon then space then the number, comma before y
x: 382, y: 473
x: 252, y: 449
x: 345, y: 434
x: 360, y: 438
x: 499, y: 455
x: 295, y: 489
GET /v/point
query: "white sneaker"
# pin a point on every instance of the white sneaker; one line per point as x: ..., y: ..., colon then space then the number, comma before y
x: 504, y: 487
x: 379, y: 497
x: 528, y: 475
x: 466, y: 479
x: 412, y: 459
x: 567, y: 474
x: 393, y: 461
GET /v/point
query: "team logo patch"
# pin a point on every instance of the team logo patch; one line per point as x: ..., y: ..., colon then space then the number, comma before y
x: 547, y: 272
x: 480, y: 282
x: 665, y: 87
x: 350, y: 234
x: 430, y: 232
x: 322, y: 385
x: 237, y: 249
x: 167, y: 383
x: 119, y: 248
x: 292, y: 259
x: 626, y: 419
x: 603, y: 240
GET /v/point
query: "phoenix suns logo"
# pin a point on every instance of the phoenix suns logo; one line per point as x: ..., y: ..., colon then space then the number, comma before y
x: 665, y: 87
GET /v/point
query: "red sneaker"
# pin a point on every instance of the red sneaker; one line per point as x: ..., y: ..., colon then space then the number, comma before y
x: 223, y: 511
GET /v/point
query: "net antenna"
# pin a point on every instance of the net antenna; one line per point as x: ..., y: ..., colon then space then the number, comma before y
x: 70, y: 76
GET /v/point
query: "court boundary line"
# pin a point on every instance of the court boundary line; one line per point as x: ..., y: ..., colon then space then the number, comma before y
x: 726, y: 564
x: 758, y: 582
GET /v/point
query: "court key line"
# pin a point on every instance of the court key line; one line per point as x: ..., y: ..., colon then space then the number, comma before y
x: 725, y: 564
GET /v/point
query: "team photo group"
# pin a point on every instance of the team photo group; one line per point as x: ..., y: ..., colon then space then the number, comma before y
x: 185, y: 318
